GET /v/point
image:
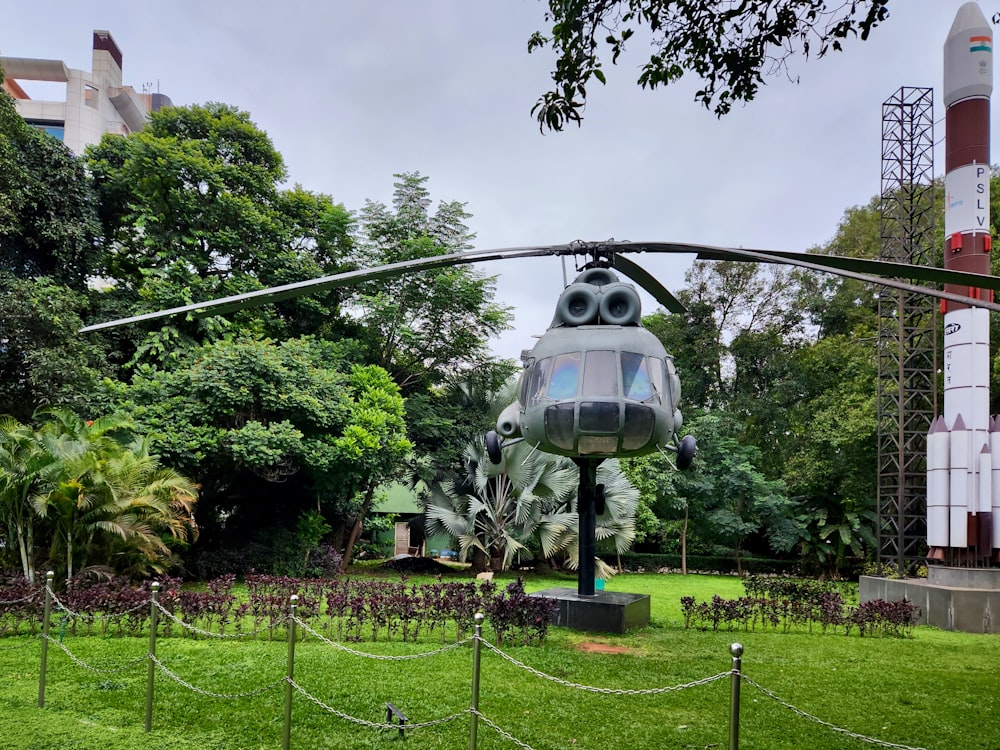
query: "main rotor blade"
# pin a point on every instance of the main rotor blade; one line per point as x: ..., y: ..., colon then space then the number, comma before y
x: 258, y: 297
x: 880, y: 272
x: 643, y: 278
x: 884, y: 273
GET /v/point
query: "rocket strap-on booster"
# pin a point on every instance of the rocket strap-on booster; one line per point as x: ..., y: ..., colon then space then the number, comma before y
x: 968, y: 86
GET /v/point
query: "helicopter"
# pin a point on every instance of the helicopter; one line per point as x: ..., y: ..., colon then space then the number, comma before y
x: 598, y: 385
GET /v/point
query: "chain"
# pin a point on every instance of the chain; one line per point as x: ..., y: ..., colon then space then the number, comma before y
x: 227, y: 696
x: 94, y: 669
x: 828, y: 725
x: 506, y: 735
x: 374, y: 724
x: 27, y: 598
x: 18, y: 646
x: 605, y: 691
x: 93, y: 617
x: 382, y: 657
x: 207, y: 633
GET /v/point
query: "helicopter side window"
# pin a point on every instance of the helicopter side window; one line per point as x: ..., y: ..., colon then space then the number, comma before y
x: 534, y: 380
x: 600, y: 376
x: 673, y: 383
x: 635, y: 377
x: 658, y: 379
x: 565, y: 376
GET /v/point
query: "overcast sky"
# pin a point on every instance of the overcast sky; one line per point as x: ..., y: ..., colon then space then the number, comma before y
x: 353, y: 91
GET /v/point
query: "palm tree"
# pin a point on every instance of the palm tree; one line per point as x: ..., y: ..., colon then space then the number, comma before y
x: 96, y: 491
x: 496, y: 512
x: 22, y: 458
x: 148, y: 502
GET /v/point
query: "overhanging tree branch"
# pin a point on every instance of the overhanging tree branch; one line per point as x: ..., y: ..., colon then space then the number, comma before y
x: 729, y: 44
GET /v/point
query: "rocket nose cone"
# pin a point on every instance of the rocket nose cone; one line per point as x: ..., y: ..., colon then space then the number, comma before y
x: 969, y: 16
x: 968, y: 56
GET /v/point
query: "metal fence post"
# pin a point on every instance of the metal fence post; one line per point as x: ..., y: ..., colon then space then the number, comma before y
x: 290, y: 672
x: 151, y: 673
x: 736, y: 650
x: 476, y: 651
x: 46, y: 612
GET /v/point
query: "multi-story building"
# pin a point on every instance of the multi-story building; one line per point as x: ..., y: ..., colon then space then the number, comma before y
x: 96, y: 101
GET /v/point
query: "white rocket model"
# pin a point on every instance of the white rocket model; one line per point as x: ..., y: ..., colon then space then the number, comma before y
x: 963, y: 445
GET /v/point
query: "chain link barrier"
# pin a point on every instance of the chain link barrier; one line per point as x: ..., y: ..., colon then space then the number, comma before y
x: 95, y: 617
x: 26, y: 643
x: 828, y: 725
x: 207, y: 633
x: 472, y: 711
x: 604, y: 691
x: 92, y: 668
x: 380, y: 657
x: 27, y: 598
x: 225, y: 696
x: 374, y: 724
x: 506, y: 735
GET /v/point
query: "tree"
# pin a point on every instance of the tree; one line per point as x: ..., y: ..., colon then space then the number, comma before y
x: 191, y: 209
x: 43, y: 359
x: 48, y: 216
x: 271, y: 430
x: 725, y: 495
x: 374, y: 443
x: 94, y: 489
x: 499, y: 514
x: 423, y: 327
x: 22, y: 458
x: 660, y: 494
x: 729, y: 46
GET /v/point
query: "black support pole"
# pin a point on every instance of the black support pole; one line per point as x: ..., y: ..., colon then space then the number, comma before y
x: 587, y: 513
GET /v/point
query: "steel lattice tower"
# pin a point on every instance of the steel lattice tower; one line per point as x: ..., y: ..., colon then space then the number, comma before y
x: 907, y: 333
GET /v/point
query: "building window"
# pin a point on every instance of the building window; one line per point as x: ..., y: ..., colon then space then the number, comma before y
x: 90, y: 96
x: 55, y: 129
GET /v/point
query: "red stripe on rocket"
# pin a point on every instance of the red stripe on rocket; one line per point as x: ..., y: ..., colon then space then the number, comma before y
x: 961, y: 443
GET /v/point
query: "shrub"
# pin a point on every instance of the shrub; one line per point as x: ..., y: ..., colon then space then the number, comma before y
x: 785, y: 602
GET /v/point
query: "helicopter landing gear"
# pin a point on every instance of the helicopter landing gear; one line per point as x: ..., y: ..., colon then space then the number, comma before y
x: 685, y: 452
x: 493, y: 449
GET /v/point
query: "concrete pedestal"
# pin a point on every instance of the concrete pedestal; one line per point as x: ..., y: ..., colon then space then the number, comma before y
x: 965, y: 599
x: 604, y: 612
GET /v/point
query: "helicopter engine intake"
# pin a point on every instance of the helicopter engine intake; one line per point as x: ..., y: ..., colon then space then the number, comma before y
x: 597, y: 297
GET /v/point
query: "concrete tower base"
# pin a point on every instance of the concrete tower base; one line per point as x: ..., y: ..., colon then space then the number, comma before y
x: 604, y: 612
x: 965, y: 599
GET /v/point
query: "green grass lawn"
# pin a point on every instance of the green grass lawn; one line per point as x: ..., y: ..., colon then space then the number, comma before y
x: 937, y: 690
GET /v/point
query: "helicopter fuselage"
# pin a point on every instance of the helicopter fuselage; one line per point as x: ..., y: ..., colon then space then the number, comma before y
x: 596, y: 391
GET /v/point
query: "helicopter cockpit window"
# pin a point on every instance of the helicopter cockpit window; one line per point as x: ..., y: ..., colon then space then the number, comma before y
x: 673, y: 383
x: 565, y: 376
x: 533, y: 381
x: 600, y: 376
x: 636, y: 382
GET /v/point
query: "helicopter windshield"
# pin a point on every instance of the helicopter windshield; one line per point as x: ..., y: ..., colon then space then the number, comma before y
x: 600, y: 376
x: 635, y: 377
x: 559, y: 378
x: 565, y: 376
